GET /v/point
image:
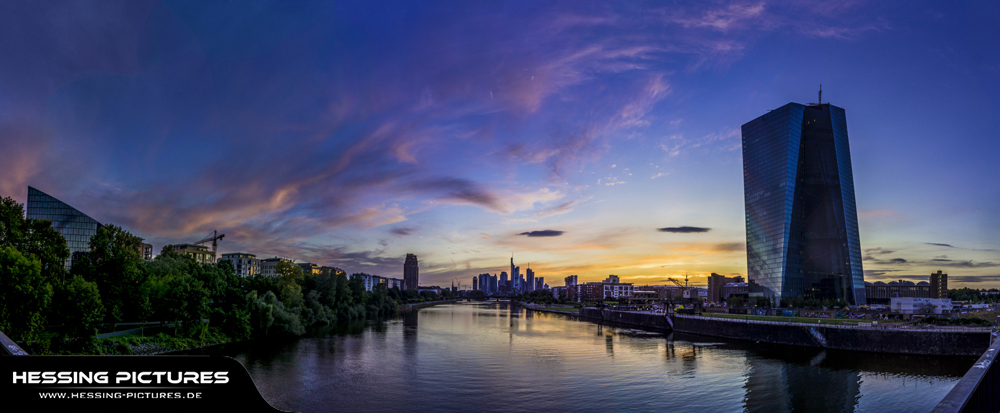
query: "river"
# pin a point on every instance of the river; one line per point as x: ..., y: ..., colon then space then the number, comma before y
x: 486, y: 356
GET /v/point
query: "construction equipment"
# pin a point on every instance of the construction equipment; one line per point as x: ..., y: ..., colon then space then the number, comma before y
x: 684, y: 287
x: 214, y: 237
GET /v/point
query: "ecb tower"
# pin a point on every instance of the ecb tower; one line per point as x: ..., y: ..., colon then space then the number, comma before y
x: 801, y: 219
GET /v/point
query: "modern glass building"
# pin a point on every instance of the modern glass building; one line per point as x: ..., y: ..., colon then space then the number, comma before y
x: 74, y: 225
x: 801, y: 219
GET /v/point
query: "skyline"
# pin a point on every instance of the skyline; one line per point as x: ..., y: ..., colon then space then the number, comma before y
x: 589, y: 140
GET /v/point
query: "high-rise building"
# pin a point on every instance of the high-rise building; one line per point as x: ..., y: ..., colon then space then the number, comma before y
x: 529, y: 275
x: 411, y: 273
x: 75, y: 226
x: 801, y: 219
x: 939, y: 285
x: 475, y: 283
x: 715, y: 284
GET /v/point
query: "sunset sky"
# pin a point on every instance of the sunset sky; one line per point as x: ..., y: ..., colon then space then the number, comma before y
x: 583, y: 138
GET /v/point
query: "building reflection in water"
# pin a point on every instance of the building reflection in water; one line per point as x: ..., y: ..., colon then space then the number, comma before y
x: 798, y: 383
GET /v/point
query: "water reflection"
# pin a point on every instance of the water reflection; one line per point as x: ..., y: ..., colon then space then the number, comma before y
x: 500, y: 357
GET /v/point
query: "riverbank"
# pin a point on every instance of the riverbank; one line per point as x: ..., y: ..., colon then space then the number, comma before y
x: 557, y: 310
x: 414, y: 306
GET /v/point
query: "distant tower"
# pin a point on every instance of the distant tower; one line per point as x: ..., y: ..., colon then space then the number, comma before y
x: 513, y: 275
x: 530, y: 275
x: 411, y: 274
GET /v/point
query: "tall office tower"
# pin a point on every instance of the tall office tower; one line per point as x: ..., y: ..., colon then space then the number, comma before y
x: 540, y: 283
x: 503, y: 280
x: 513, y: 274
x: 75, y: 226
x: 801, y: 220
x: 411, y: 273
x: 530, y: 276
x: 494, y: 288
x: 519, y: 284
x: 475, y: 283
x: 571, y: 280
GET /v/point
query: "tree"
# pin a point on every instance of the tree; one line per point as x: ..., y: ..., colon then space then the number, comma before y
x: 289, y: 277
x: 33, y: 238
x: 78, y: 305
x: 735, y: 301
x: 24, y: 295
x: 114, y: 263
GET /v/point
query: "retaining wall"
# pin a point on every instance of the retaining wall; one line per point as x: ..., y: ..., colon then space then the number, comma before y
x: 951, y: 343
x: 624, y: 318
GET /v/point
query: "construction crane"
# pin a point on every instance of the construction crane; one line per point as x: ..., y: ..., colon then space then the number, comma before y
x: 214, y: 237
x: 684, y: 287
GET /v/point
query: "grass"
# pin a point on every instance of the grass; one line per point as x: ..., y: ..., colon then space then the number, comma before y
x: 805, y: 320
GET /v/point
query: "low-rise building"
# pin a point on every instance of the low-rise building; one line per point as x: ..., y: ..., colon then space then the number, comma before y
x: 920, y: 305
x: 246, y: 264
x: 268, y: 266
x: 200, y: 253
x: 881, y: 293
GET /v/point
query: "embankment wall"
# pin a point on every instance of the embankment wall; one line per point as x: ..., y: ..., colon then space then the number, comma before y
x: 951, y: 343
x: 628, y: 319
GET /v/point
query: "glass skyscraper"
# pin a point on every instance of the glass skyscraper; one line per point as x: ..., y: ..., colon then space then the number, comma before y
x: 801, y: 219
x: 75, y: 226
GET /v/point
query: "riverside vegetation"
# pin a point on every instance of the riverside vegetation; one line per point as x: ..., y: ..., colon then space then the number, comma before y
x: 49, y: 310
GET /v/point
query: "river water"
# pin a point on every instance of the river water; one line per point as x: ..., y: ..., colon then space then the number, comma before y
x: 491, y: 356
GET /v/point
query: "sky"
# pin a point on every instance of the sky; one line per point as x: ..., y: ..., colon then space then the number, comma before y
x: 580, y: 138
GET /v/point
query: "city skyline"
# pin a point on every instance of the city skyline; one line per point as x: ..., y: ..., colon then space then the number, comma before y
x: 590, y: 140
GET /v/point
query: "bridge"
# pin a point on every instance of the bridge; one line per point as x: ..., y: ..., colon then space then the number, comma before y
x: 979, y: 390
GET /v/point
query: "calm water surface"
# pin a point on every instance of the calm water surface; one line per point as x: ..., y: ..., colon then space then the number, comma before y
x: 490, y: 357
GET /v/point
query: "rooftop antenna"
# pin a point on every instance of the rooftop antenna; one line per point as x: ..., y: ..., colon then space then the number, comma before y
x: 820, y: 93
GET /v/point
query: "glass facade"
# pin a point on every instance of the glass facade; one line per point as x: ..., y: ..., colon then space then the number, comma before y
x: 801, y: 219
x: 75, y: 226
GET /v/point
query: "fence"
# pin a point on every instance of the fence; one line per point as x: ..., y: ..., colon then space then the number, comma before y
x: 979, y: 390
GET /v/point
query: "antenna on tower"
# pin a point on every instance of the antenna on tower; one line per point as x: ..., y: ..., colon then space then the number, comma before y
x: 820, y: 93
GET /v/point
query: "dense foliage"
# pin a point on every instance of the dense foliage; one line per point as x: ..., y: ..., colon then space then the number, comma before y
x: 40, y: 303
x: 975, y: 296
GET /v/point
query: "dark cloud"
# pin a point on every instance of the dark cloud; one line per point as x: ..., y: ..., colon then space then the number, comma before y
x: 898, y: 261
x: 543, y: 233
x: 952, y: 246
x: 729, y: 246
x: 683, y: 230
x: 941, y: 245
x: 940, y: 260
x: 878, y: 250
x: 402, y: 231
x: 969, y: 264
x: 971, y: 279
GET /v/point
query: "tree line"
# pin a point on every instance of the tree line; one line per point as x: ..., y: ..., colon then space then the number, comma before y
x: 45, y: 307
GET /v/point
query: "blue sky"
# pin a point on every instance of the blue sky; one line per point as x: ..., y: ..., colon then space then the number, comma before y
x: 352, y: 133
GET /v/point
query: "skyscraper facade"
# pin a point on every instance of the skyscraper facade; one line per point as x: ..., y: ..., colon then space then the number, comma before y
x: 411, y: 273
x: 75, y: 226
x: 801, y: 219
